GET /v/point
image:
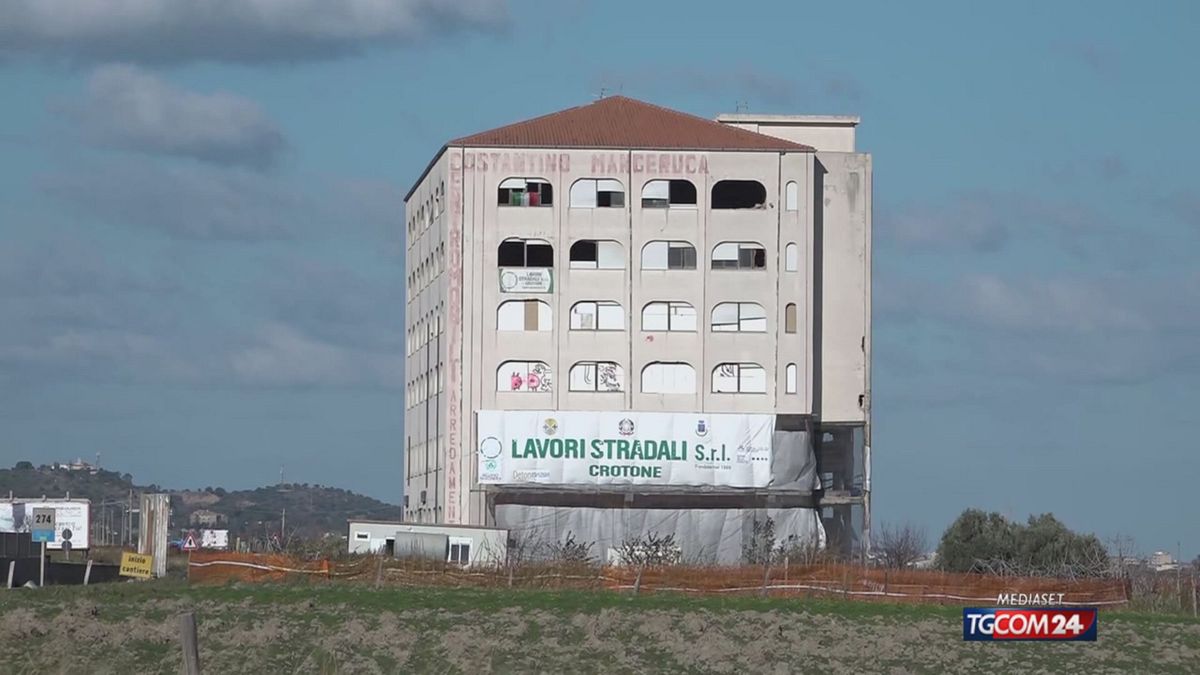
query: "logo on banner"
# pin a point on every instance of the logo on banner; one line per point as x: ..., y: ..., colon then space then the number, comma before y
x: 550, y: 426
x: 701, y: 428
x: 625, y: 427
x: 490, y: 447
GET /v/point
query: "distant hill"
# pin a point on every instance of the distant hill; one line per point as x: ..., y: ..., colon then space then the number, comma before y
x: 311, y: 510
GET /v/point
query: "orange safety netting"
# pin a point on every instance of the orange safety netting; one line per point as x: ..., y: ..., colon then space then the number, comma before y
x: 849, y: 581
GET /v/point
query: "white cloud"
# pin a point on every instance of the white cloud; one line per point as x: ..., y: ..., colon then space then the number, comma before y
x: 173, y: 31
x: 132, y: 109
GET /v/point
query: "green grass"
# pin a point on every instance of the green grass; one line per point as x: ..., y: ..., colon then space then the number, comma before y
x: 308, y: 628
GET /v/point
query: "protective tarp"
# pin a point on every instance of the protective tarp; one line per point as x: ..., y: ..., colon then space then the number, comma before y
x: 704, y: 536
x: 793, y: 462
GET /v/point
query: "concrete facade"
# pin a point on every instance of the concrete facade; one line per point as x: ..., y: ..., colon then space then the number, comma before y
x: 814, y: 229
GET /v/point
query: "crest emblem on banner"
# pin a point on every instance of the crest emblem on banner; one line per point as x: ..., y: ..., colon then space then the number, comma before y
x: 701, y: 428
x: 625, y: 427
x: 550, y: 426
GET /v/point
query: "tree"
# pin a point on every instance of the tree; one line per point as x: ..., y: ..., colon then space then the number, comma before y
x: 899, y: 547
x: 24, y: 466
x: 975, y: 536
x: 1043, y: 546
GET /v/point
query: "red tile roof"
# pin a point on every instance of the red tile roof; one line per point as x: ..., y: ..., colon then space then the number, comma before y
x: 619, y: 122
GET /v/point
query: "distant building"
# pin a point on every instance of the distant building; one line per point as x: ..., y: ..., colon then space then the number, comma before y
x: 77, y: 465
x: 1161, y: 561
x: 206, y: 518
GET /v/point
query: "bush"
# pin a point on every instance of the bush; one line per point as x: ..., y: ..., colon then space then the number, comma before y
x: 979, y: 541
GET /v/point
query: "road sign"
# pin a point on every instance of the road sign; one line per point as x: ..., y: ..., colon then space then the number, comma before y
x: 42, y: 528
x: 189, y: 542
x: 137, y: 565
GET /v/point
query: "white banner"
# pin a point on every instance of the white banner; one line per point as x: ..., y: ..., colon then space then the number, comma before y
x: 214, y: 539
x: 624, y: 448
x: 526, y: 280
x: 70, y: 520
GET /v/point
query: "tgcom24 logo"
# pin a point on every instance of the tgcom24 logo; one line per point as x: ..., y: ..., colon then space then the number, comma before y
x: 1072, y: 624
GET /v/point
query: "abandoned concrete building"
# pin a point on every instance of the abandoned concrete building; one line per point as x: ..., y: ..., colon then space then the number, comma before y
x: 626, y: 320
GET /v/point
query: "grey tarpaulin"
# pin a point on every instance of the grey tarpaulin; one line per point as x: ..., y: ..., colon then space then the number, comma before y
x: 704, y: 536
x: 793, y: 462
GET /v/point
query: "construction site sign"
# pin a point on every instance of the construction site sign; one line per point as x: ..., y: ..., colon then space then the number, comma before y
x: 137, y: 565
x: 624, y: 448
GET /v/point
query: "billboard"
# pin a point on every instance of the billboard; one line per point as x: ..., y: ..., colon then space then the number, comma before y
x: 71, y: 519
x: 624, y: 448
x: 214, y: 539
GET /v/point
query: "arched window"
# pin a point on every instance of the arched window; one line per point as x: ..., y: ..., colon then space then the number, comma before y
x: 739, y: 317
x: 674, y: 193
x: 739, y: 194
x: 590, y: 193
x: 791, y: 258
x: 789, y: 318
x: 669, y: 316
x: 792, y: 196
x: 522, y: 315
x: 524, y: 376
x: 739, y: 378
x: 739, y: 255
x: 791, y: 378
x: 592, y: 254
x: 525, y: 192
x: 601, y: 376
x: 668, y: 255
x: 597, y: 315
x: 663, y: 377
x: 525, y: 253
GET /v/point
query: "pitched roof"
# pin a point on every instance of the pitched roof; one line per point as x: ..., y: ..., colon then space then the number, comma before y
x: 620, y: 122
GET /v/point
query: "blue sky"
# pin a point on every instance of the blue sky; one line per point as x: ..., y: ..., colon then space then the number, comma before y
x: 201, y: 234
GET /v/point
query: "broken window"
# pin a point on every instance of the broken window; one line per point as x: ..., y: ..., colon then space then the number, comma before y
x: 599, y: 376
x: 590, y: 254
x: 525, y: 192
x: 662, y: 194
x: 739, y: 378
x: 523, y: 376
x: 739, y: 317
x: 739, y: 194
x: 525, y: 253
x: 669, y: 316
x: 789, y: 318
x: 597, y: 315
x: 590, y: 193
x: 791, y: 258
x: 663, y: 377
x: 732, y: 255
x: 668, y: 255
x: 524, y: 315
x: 791, y: 378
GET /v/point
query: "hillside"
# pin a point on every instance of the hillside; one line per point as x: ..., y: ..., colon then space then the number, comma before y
x: 311, y: 510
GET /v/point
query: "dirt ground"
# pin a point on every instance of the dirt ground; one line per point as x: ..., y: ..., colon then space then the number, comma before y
x: 305, y: 629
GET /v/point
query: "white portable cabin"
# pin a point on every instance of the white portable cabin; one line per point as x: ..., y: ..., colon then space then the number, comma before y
x: 461, y: 544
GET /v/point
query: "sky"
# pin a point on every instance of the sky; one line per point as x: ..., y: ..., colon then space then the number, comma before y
x: 201, y: 226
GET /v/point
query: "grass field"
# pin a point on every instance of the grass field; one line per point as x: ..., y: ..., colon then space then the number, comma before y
x: 131, y: 628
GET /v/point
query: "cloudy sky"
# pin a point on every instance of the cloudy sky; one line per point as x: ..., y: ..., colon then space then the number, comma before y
x: 201, y: 228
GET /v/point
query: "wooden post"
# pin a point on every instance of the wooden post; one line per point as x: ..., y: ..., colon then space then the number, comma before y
x: 190, y: 644
x: 12, y: 564
x: 379, y: 573
x: 87, y: 572
x: 885, y: 582
x: 637, y: 583
x: 510, y: 574
x: 766, y: 577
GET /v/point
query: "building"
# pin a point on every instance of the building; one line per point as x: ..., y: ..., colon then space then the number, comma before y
x: 206, y: 518
x: 601, y: 297
x: 460, y: 544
